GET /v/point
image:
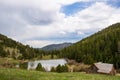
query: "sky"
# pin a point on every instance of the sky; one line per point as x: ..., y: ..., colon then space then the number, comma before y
x: 42, y: 22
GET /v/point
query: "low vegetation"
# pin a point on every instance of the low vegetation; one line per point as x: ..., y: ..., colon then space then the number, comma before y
x: 8, y: 62
x: 61, y: 68
x: 40, y: 68
x: 18, y: 74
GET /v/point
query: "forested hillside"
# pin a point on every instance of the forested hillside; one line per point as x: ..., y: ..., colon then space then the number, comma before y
x: 12, y: 49
x: 103, y: 46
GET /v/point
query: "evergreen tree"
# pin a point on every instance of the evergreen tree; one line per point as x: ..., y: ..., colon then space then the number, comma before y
x: 2, y: 52
x: 53, y: 69
x: 23, y: 65
x: 119, y: 46
x: 65, y: 68
x: 62, y: 68
x: 59, y: 69
x: 39, y: 67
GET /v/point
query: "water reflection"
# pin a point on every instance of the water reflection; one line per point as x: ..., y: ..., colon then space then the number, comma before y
x: 47, y: 64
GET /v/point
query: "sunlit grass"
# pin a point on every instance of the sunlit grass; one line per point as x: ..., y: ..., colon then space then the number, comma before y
x: 8, y: 60
x: 18, y: 74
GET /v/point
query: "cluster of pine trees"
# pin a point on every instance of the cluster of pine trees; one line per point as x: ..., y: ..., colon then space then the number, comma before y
x: 59, y: 68
x: 40, y: 68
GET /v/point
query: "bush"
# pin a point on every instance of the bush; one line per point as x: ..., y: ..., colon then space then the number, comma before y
x: 59, y: 69
x: 80, y: 67
x: 65, y: 68
x: 40, y: 68
x: 62, y: 68
x: 24, y: 65
x: 53, y: 69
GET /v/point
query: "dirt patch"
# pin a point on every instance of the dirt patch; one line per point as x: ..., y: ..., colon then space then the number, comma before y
x: 118, y: 74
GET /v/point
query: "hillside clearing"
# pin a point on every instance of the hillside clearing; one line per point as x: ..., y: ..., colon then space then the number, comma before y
x: 18, y: 74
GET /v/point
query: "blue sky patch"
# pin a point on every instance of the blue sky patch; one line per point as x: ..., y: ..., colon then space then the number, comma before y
x: 78, y: 6
x: 75, y: 7
x: 114, y: 3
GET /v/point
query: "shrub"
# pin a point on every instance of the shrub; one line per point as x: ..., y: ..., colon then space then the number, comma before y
x: 39, y: 67
x: 59, y: 69
x: 53, y: 69
x: 65, y: 68
x: 24, y: 65
x: 62, y: 68
x: 80, y: 67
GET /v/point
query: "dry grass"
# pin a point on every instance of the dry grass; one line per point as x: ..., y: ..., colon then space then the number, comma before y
x: 78, y: 67
x: 8, y: 62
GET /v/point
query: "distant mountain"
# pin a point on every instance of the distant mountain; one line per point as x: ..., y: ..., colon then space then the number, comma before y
x: 56, y: 46
x: 103, y: 46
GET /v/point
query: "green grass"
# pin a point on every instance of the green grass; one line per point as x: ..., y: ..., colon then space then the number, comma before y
x: 18, y: 74
x: 8, y: 60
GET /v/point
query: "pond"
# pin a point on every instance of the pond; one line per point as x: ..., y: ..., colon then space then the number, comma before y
x: 47, y: 64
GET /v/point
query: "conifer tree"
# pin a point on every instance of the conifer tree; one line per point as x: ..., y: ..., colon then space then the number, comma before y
x: 59, y: 69
x: 53, y: 69
x: 39, y: 67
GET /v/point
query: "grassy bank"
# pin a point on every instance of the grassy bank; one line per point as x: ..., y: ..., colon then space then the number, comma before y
x: 18, y: 74
x: 8, y: 62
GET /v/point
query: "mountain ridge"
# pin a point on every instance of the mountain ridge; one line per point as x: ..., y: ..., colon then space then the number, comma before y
x: 56, y: 46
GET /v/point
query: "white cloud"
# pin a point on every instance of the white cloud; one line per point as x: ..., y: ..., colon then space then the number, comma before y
x: 41, y: 4
x: 80, y: 33
x: 42, y: 43
x: 39, y: 43
x: 30, y: 19
x: 98, y: 16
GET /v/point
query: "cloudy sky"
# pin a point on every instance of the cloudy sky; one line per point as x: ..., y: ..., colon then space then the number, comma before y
x: 42, y: 22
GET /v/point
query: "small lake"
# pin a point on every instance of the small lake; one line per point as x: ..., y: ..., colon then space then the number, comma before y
x: 47, y: 64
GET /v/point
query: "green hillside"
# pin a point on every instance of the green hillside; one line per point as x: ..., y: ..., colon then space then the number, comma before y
x: 13, y: 49
x: 103, y: 46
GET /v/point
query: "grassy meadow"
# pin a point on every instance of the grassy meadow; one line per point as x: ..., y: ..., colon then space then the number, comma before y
x: 18, y: 74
